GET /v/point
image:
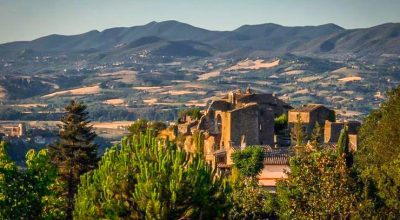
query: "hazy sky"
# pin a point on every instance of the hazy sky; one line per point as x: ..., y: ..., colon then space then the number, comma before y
x: 30, y: 19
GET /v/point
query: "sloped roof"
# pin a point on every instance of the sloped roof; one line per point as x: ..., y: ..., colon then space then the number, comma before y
x: 262, y: 99
x: 308, y: 108
x: 276, y: 156
x: 276, y: 160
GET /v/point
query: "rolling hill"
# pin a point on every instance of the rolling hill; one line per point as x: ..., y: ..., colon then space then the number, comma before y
x: 178, y: 39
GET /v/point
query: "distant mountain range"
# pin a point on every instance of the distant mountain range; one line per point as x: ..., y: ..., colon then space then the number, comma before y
x: 172, y: 38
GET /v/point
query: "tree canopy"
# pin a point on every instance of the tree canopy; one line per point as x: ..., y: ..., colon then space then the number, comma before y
x: 75, y: 152
x: 149, y: 178
x: 378, y: 157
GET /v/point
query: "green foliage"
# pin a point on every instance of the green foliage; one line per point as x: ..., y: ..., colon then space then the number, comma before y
x: 106, y: 192
x: 319, y: 186
x: 249, y: 161
x: 150, y: 178
x: 297, y: 133
x: 44, y: 175
x: 343, y: 146
x: 281, y: 122
x: 198, y: 138
x: 315, y: 139
x: 5, y: 161
x: 377, y: 160
x: 343, y: 142
x: 141, y: 125
x: 26, y: 194
x: 194, y: 113
x: 249, y: 201
x: 75, y: 153
x: 332, y: 116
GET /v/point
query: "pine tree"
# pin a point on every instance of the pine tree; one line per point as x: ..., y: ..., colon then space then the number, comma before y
x: 75, y: 153
x: 148, y: 178
x: 316, y: 136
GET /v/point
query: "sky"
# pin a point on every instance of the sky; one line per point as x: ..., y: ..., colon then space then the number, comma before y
x: 30, y: 19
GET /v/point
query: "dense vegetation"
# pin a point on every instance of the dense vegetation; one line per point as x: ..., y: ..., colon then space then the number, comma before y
x: 148, y: 178
x: 145, y: 177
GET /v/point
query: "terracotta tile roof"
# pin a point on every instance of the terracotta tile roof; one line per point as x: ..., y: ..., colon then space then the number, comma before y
x: 276, y: 160
x: 276, y: 156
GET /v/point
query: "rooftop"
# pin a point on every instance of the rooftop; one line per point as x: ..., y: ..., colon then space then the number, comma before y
x: 276, y: 156
x: 307, y: 108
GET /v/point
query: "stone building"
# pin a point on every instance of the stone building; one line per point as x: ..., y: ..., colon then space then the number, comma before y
x: 276, y: 163
x: 186, y: 125
x: 332, y: 132
x: 237, y: 120
x: 309, y: 115
x: 14, y: 131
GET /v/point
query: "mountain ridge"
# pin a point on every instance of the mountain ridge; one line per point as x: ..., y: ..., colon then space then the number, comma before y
x: 267, y: 39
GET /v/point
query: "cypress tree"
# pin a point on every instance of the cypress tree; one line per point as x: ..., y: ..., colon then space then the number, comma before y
x: 298, y: 136
x: 343, y: 142
x: 75, y: 153
x: 343, y: 147
x: 316, y: 135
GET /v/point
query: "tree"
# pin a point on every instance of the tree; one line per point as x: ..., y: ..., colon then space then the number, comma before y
x: 194, y: 113
x: 280, y: 122
x: 343, y: 146
x: 343, y: 142
x: 315, y: 139
x: 25, y: 194
x: 44, y: 177
x: 297, y: 133
x: 377, y: 160
x: 249, y: 201
x: 150, y: 178
x: 75, y: 153
x: 249, y: 161
x: 142, y: 125
x: 319, y: 186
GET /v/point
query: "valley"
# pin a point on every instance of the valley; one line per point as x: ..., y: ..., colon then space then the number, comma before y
x: 140, y: 72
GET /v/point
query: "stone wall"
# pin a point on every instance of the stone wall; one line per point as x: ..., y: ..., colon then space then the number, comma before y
x: 292, y: 116
x: 267, y: 129
x: 245, y: 123
x: 332, y: 131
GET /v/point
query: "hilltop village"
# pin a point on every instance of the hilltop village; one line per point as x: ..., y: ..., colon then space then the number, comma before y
x: 244, y: 118
x: 229, y: 123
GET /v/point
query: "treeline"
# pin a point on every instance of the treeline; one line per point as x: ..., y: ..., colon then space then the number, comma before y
x: 145, y: 177
x: 97, y: 113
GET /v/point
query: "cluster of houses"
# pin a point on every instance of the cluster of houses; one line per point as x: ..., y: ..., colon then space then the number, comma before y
x: 12, y: 130
x: 244, y: 118
x: 23, y: 134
